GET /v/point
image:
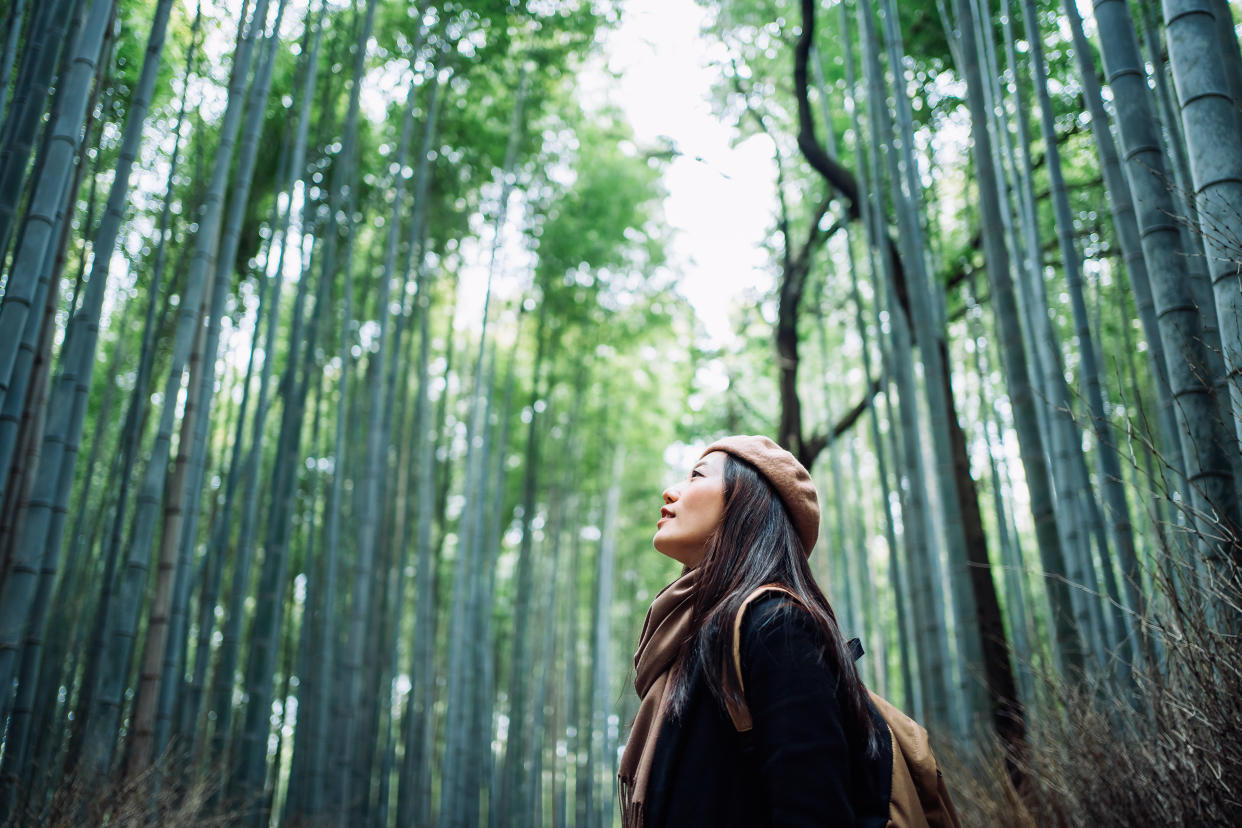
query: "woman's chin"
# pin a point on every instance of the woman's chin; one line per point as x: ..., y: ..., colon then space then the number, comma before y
x: 678, y: 552
x: 662, y: 545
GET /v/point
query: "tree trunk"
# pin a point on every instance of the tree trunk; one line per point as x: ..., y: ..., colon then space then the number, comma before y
x: 458, y: 800
x: 515, y: 778
x: 897, y: 572
x: 1205, y: 440
x: 373, y: 464
x: 602, y: 749
x: 1118, y: 509
x: 1192, y: 237
x: 44, y: 520
x: 127, y: 446
x: 1030, y: 441
x: 102, y: 723
x: 920, y: 541
x: 49, y: 26
x: 1011, y: 548
x: 482, y: 768
x: 250, y: 758
x: 414, y: 790
x: 1201, y: 64
x: 22, y: 282
x: 244, y: 549
x: 454, y: 776
x: 21, y: 410
x: 971, y: 629
x: 180, y: 536
x: 16, y: 16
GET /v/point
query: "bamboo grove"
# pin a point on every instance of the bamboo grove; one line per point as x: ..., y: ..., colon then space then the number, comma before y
x: 342, y: 363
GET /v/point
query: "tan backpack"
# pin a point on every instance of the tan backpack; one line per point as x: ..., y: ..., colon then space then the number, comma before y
x: 918, y: 798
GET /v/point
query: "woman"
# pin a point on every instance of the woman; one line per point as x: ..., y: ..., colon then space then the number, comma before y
x: 747, y: 516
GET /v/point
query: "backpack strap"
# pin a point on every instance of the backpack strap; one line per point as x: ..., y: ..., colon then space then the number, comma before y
x: 740, y: 713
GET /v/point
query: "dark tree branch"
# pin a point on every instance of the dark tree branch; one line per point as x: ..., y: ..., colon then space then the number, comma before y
x: 838, y: 176
x: 796, y: 266
x: 820, y: 440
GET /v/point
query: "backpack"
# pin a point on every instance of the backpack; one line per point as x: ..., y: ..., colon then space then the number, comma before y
x: 918, y: 797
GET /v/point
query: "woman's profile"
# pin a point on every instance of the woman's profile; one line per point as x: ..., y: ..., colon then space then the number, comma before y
x: 747, y: 516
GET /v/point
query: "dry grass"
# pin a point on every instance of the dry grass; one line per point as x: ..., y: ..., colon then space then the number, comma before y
x: 142, y: 800
x: 1168, y: 752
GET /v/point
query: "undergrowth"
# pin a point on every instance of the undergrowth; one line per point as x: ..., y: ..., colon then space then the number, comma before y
x: 1163, y: 750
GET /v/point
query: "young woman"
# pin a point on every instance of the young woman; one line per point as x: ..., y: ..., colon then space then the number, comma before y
x: 817, y: 753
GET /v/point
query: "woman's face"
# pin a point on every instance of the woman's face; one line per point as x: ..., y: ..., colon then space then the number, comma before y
x: 692, y: 511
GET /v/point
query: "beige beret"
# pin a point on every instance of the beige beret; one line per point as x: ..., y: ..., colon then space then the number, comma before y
x: 787, y: 476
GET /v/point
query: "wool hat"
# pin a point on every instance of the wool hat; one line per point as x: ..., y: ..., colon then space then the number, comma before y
x: 786, y: 475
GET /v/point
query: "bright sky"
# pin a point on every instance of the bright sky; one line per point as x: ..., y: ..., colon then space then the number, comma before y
x: 720, y: 198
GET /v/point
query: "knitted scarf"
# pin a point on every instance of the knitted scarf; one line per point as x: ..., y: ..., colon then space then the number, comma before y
x: 664, y: 632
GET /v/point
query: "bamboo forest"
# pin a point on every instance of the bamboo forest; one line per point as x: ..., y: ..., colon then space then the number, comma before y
x: 346, y: 347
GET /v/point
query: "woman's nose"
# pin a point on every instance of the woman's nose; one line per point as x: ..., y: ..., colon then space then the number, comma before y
x: 670, y: 494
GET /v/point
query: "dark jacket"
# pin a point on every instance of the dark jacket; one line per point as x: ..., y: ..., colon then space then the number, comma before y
x: 802, y: 764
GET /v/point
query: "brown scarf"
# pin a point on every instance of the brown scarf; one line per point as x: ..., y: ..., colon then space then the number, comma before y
x: 664, y: 632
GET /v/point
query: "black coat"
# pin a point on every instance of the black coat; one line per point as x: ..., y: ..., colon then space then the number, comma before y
x: 802, y: 764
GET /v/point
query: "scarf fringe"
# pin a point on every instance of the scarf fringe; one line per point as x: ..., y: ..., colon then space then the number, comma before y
x: 631, y: 812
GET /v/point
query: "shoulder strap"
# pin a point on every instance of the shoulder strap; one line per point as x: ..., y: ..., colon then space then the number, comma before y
x: 740, y: 714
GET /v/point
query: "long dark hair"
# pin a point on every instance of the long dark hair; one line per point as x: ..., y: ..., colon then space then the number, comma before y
x: 756, y: 544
